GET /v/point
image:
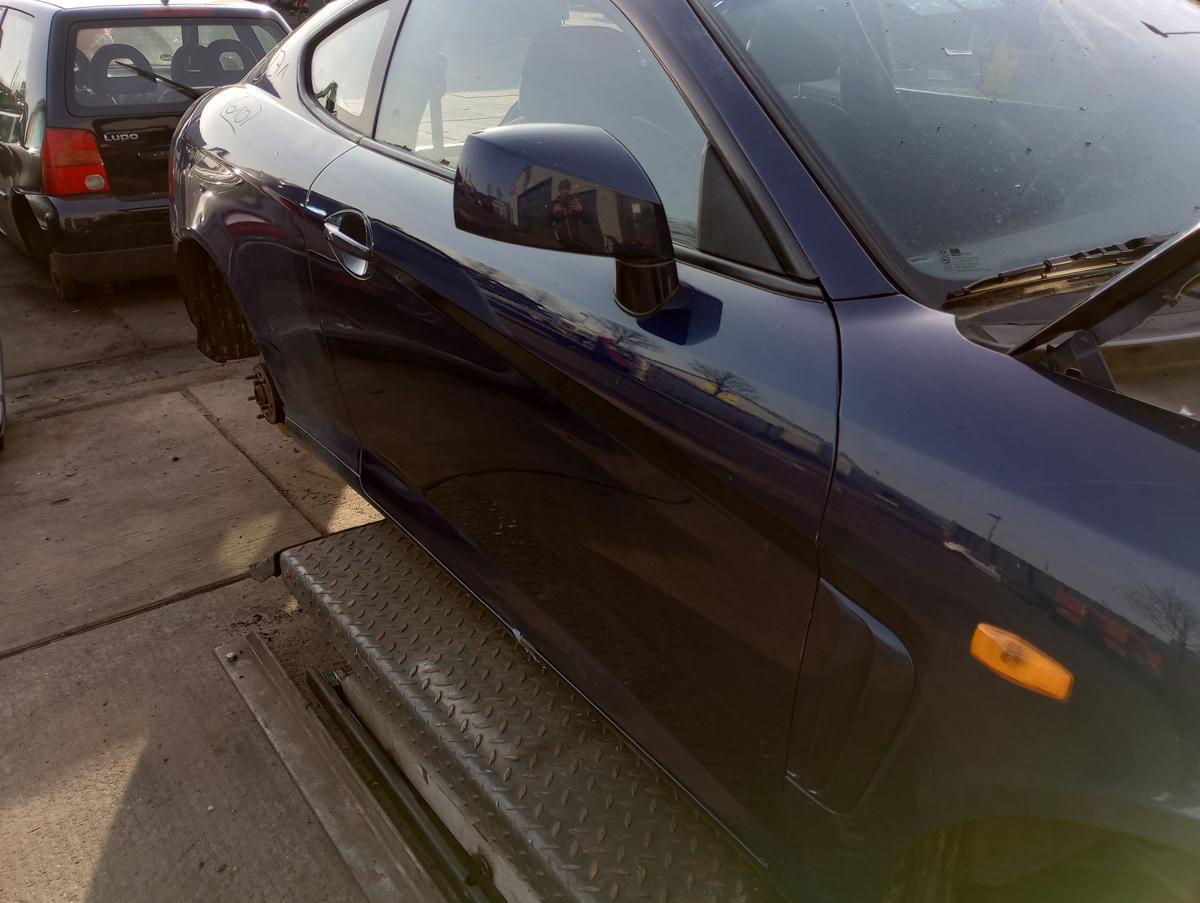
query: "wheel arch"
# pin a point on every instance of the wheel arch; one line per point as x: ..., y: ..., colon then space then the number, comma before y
x: 1034, y: 855
x: 222, y: 331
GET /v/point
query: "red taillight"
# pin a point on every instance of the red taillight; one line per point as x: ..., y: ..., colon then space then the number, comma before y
x: 71, y: 163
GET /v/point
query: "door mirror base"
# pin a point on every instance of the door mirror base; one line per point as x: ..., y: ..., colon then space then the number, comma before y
x: 643, y: 287
x: 688, y: 318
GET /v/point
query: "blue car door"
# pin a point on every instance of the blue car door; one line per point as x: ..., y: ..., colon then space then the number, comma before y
x: 645, y: 494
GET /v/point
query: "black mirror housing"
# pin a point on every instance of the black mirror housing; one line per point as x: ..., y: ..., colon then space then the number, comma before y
x: 571, y: 188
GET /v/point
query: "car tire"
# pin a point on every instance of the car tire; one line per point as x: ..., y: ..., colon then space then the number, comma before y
x: 932, y: 871
x: 965, y: 864
x: 34, y: 242
x: 65, y: 286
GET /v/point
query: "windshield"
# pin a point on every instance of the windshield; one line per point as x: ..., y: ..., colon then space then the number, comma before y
x: 981, y: 135
x: 130, y: 66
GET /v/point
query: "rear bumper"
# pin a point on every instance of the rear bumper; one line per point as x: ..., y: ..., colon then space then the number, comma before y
x: 105, y: 239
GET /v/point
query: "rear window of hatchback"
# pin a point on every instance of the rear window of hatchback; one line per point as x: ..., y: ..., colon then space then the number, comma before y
x: 147, y: 65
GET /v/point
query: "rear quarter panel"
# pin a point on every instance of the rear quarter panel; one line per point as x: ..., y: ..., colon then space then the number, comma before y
x: 245, y: 157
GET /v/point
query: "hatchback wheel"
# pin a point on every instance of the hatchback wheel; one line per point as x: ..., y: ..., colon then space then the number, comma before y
x: 36, y: 245
x: 65, y: 286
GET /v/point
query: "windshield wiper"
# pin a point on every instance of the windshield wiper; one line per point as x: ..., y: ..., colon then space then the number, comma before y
x: 1159, y: 278
x: 154, y: 76
x: 1166, y: 34
x: 1054, y: 269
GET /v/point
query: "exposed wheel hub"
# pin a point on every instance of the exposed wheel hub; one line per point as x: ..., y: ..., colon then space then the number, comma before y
x: 267, y: 395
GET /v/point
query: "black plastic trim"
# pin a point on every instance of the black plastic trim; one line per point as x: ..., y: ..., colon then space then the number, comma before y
x: 378, y: 66
x: 859, y: 224
x: 725, y: 225
x: 772, y: 282
x: 856, y: 682
x: 774, y: 227
x: 400, y: 154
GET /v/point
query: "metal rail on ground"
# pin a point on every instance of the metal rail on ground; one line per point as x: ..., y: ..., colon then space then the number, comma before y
x: 369, y: 843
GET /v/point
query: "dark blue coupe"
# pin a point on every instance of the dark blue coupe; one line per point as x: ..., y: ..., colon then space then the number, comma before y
x: 822, y: 378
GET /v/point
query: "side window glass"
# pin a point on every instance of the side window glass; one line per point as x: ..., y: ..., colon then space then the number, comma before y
x: 16, y: 37
x: 460, y: 66
x: 340, y: 70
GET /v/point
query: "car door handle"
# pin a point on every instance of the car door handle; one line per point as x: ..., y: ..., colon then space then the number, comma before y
x: 343, y: 242
x: 354, y: 254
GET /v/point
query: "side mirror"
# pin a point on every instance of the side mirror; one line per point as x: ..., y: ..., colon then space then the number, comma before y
x: 571, y: 188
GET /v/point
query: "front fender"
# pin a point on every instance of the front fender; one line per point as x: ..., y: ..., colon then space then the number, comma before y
x: 971, y: 488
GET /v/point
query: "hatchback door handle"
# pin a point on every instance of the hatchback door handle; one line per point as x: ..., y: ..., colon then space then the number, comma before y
x: 353, y: 253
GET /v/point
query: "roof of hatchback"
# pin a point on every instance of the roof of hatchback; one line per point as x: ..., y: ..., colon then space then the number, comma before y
x: 218, y: 5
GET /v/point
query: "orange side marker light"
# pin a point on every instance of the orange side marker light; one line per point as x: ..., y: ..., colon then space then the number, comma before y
x: 1021, y: 662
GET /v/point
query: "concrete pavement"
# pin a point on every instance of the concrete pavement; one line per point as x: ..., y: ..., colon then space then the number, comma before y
x: 136, y: 488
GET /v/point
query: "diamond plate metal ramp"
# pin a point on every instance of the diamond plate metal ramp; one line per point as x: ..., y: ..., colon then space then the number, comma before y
x: 522, y: 769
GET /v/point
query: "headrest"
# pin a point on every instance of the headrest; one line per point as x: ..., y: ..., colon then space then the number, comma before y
x: 189, y: 66
x: 218, y: 58
x: 81, y: 68
x: 794, y: 47
x: 583, y: 74
x: 121, y: 80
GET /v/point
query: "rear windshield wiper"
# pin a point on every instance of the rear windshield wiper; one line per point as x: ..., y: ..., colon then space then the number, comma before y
x: 1159, y: 278
x: 1053, y: 269
x: 155, y: 77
